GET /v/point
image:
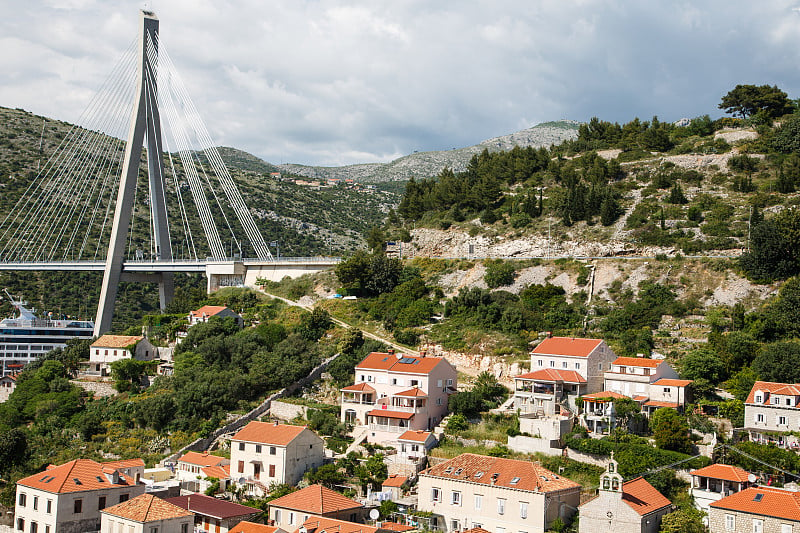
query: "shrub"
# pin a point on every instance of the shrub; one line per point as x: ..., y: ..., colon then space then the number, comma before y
x: 457, y: 422
x: 499, y: 274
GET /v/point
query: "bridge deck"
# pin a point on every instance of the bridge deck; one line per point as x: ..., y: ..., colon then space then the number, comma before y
x: 163, y: 266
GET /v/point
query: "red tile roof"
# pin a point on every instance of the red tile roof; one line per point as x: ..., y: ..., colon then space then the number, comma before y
x: 208, y: 310
x: 640, y: 398
x: 202, y: 459
x: 416, y: 435
x: 726, y: 472
x: 125, y: 463
x: 410, y: 364
x: 552, y: 374
x: 774, y: 502
x: 251, y: 527
x: 567, y: 346
x: 391, y: 414
x: 642, y: 497
x: 670, y: 405
x: 359, y: 387
x: 416, y: 392
x: 208, y: 506
x: 116, y: 341
x: 603, y: 395
x: 637, y: 361
x: 481, y: 469
x: 268, y: 433
x: 786, y: 389
x: 330, y: 525
x: 394, y: 526
x: 315, y: 499
x: 394, y: 481
x: 476, y: 530
x: 75, y: 476
x: 664, y: 382
x: 147, y: 508
x: 219, y: 472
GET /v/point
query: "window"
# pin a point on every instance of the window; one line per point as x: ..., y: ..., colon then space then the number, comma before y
x: 101, y: 502
x: 438, y: 401
x: 436, y: 495
x: 776, y: 400
x: 478, y: 503
x: 786, y: 528
x: 241, y: 446
x: 46, y: 528
x: 362, y: 377
x: 49, y: 506
x: 449, y: 382
x: 271, y: 470
x: 599, y: 366
x: 291, y: 518
x: 523, y: 510
x: 77, y: 506
x: 258, y: 448
x: 273, y: 450
x: 414, y: 383
x: 759, y: 417
x: 369, y: 378
x: 455, y: 498
x: 758, y: 525
x: 454, y: 525
x: 278, y: 516
x: 34, y: 527
x: 21, y: 524
x: 577, y: 366
x: 541, y: 363
x: 184, y: 528
x: 781, y: 422
x: 35, y: 503
x: 552, y: 364
x: 22, y: 499
x: 438, y: 382
x: 153, y: 530
x: 124, y: 497
x: 500, y: 530
x: 759, y: 399
x: 241, y: 467
x: 564, y: 364
x: 501, y: 506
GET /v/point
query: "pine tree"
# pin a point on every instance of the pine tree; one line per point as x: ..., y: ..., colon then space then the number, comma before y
x: 676, y: 195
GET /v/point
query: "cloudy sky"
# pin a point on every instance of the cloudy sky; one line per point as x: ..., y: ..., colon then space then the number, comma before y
x: 332, y: 83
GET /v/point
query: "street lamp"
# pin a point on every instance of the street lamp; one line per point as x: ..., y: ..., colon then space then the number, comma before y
x: 277, y: 246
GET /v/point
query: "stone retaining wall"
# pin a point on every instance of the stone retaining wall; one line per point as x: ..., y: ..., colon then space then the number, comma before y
x: 287, y: 411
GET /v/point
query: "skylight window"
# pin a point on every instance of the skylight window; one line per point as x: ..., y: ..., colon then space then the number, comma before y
x: 758, y: 497
x: 77, y: 481
x: 514, y: 481
x: 458, y: 472
x: 49, y: 479
x: 408, y: 360
x: 448, y: 469
x: 478, y: 475
x: 100, y: 479
x: 44, y: 478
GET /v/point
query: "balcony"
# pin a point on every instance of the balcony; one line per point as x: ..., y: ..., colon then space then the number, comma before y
x: 363, y: 401
x: 388, y: 428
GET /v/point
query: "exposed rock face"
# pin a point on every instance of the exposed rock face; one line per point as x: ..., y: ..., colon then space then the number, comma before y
x: 426, y: 164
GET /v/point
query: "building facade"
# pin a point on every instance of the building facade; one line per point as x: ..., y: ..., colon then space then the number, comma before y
x: 548, y: 391
x: 145, y: 514
x: 772, y: 412
x: 588, y: 357
x: 110, y: 348
x: 207, y: 312
x: 315, y: 501
x: 651, y: 382
x: 756, y: 510
x: 714, y: 482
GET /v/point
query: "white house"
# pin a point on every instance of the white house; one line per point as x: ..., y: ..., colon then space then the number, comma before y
x: 756, y: 510
x: 263, y: 453
x: 314, y: 501
x: 651, y: 382
x: 772, y: 414
x: 68, y: 498
x: 7, y: 385
x: 205, y: 313
x: 110, y: 348
x: 496, y: 494
x: 714, y: 482
x: 588, y: 357
x: 146, y: 514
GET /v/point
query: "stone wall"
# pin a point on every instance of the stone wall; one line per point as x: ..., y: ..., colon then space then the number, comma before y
x: 524, y: 444
x: 287, y: 411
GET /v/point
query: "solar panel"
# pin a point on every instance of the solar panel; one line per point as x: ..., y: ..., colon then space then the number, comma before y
x: 408, y: 360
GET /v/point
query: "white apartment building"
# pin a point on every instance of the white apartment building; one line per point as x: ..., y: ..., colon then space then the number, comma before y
x: 315, y: 501
x: 191, y: 464
x: 110, y: 348
x: 146, y: 514
x: 496, y: 494
x: 772, y: 413
x: 543, y: 392
x: 394, y: 392
x: 651, y: 382
x: 714, y: 482
x: 68, y: 498
x: 263, y: 453
x: 588, y: 357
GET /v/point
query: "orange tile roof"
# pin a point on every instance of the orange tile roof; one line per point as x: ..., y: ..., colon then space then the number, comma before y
x: 414, y: 365
x: 643, y: 497
x: 394, y: 481
x: 208, y: 310
x: 481, y: 469
x: 75, y: 476
x: 603, y: 395
x: 654, y: 403
x: 147, y: 508
x: 268, y: 433
x: 219, y: 472
x: 416, y: 435
x: 359, y: 387
x: 125, y: 463
x: 331, y: 525
x: 251, y: 527
x: 726, y: 472
x: 416, y: 392
x: 208, y: 506
x: 315, y: 499
x: 394, y: 526
x: 390, y: 414
x: 202, y: 459
x: 476, y: 530
x: 773, y: 502
x: 116, y: 341
x: 552, y: 374
x: 640, y: 398
x: 567, y: 346
x: 637, y: 361
x: 786, y: 389
x: 664, y: 382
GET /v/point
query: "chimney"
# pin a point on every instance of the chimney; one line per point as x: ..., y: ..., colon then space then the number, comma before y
x: 422, y: 354
x: 276, y: 423
x: 548, y: 334
x: 640, y: 355
x: 391, y: 351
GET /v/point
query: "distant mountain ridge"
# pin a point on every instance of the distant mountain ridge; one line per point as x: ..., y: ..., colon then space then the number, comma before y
x: 425, y: 164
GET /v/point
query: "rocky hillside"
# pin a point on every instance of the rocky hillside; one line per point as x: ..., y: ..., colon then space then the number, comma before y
x: 423, y: 164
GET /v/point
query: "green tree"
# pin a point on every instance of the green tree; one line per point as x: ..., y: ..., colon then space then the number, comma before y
x: 670, y: 430
x: 702, y: 363
x: 683, y: 521
x: 774, y: 253
x: 627, y: 411
x: 787, y: 138
x: 779, y: 362
x: 376, y: 239
x: 467, y: 403
x: 128, y: 373
x: 676, y: 195
x: 387, y: 508
x: 327, y: 475
x: 13, y: 449
x: 499, y: 273
x: 457, y: 422
x: 314, y: 325
x: 746, y: 100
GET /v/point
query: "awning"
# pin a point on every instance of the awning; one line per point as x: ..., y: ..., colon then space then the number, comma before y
x: 390, y: 414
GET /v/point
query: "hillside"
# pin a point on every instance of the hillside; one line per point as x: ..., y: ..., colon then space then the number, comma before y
x: 421, y: 164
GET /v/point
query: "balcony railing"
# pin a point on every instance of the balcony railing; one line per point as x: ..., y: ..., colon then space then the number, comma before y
x: 390, y: 429
x: 360, y: 402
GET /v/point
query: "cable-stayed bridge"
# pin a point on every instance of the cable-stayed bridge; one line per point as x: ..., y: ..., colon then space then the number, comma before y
x: 140, y: 209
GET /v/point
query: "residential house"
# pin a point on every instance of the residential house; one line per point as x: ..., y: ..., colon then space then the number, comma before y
x: 69, y: 497
x: 756, y: 510
x: 263, y: 453
x: 330, y: 525
x: 393, y: 485
x: 110, y: 348
x: 395, y: 392
x: 588, y: 357
x: 290, y: 511
x: 145, y: 514
x: 772, y: 413
x: 251, y: 527
x: 497, y: 494
x: 547, y: 392
x: 205, y: 313
x: 212, y: 515
x: 413, y: 445
x: 191, y: 465
x: 633, y: 505
x: 651, y: 382
x: 7, y: 385
x: 133, y: 468
x: 599, y: 416
x: 714, y: 482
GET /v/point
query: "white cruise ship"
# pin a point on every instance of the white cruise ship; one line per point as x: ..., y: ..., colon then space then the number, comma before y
x: 26, y: 337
